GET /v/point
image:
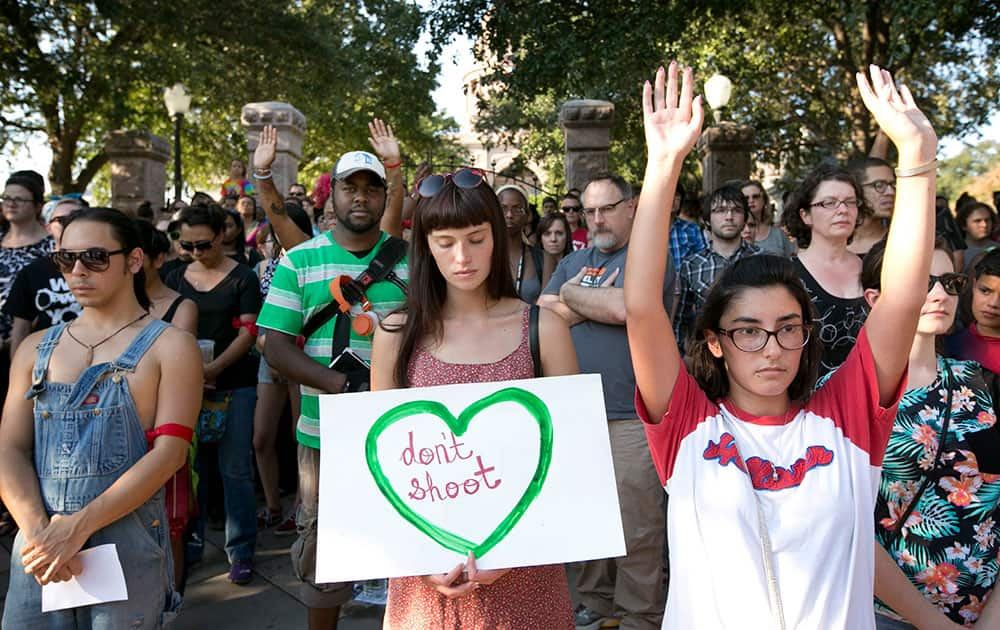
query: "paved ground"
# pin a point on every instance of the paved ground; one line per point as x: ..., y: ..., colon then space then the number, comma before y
x: 268, y: 602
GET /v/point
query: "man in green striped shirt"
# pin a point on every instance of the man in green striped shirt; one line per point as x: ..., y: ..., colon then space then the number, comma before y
x: 299, y: 289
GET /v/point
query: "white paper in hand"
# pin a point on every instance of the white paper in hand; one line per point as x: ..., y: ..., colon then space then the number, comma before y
x: 102, y: 580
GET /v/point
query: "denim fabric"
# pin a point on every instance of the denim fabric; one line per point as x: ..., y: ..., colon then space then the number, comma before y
x: 236, y: 466
x: 87, y: 435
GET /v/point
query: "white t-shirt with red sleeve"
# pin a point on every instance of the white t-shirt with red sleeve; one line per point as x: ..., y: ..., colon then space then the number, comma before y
x: 815, y: 471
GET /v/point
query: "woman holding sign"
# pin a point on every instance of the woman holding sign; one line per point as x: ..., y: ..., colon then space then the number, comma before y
x: 463, y: 323
x: 773, y: 486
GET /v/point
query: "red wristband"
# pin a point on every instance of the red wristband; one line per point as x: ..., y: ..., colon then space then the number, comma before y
x: 393, y: 165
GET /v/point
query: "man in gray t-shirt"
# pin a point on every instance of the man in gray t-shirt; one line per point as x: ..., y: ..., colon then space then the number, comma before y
x: 586, y: 289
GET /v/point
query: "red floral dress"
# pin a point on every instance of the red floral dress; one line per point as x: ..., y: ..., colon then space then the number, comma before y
x: 526, y: 598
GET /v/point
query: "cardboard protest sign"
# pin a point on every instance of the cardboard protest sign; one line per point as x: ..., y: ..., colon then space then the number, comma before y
x: 519, y: 473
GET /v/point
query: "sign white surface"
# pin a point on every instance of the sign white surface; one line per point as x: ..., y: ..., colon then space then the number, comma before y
x: 520, y: 472
x: 102, y: 580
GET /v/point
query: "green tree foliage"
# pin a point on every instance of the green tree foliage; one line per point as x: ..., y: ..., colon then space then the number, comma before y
x: 792, y: 64
x: 74, y: 71
x: 959, y: 172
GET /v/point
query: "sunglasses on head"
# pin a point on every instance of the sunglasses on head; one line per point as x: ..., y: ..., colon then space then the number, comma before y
x: 93, y: 258
x: 201, y: 246
x: 466, y: 178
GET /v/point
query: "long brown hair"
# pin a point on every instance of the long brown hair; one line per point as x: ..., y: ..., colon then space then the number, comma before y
x: 451, y: 208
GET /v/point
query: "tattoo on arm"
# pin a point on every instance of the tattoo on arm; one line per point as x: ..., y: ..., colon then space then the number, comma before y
x: 278, y: 209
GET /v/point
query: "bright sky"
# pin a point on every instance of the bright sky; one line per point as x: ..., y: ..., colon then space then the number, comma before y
x: 456, y: 60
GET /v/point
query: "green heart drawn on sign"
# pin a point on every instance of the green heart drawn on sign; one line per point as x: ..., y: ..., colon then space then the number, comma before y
x: 534, y: 406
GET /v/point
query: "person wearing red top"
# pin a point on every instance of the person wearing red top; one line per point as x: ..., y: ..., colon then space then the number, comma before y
x: 772, y: 486
x: 980, y: 342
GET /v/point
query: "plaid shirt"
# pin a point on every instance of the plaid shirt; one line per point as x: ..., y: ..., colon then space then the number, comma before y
x: 685, y: 239
x: 697, y: 273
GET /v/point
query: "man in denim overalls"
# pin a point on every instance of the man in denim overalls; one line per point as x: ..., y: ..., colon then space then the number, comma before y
x: 99, y: 415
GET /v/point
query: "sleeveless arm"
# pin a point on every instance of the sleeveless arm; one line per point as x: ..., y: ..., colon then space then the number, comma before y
x: 672, y: 127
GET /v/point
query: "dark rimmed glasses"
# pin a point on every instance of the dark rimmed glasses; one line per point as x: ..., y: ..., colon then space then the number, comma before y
x: 466, y: 178
x: 201, y: 246
x: 753, y: 338
x: 880, y: 185
x: 93, y: 258
x: 604, y: 210
x: 572, y: 208
x: 833, y: 204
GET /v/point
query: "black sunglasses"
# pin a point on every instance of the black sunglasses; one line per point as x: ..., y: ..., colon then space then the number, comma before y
x: 201, y: 246
x: 466, y: 178
x: 953, y: 283
x: 93, y: 258
x: 572, y: 209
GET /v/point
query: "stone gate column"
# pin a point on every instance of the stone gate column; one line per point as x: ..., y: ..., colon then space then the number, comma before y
x: 587, y: 127
x: 725, y: 154
x: 138, y: 168
x: 291, y: 126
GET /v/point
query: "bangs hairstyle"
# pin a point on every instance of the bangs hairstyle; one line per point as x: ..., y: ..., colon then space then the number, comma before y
x: 804, y: 196
x: 726, y: 193
x: 451, y: 208
x: 123, y: 230
x: 753, y: 272
x: 871, y: 264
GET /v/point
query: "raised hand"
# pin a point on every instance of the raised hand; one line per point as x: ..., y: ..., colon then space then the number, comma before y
x: 383, y: 142
x: 672, y: 122
x: 263, y: 155
x: 899, y: 117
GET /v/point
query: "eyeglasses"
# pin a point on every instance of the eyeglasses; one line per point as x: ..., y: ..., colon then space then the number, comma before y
x: 297, y: 194
x: 953, y: 283
x: 833, y: 204
x: 62, y: 220
x: 17, y: 201
x: 572, y: 208
x: 515, y: 210
x: 604, y: 210
x: 93, y: 258
x: 175, y: 236
x: 201, y: 246
x: 753, y: 338
x: 727, y: 208
x: 466, y: 178
x: 880, y: 185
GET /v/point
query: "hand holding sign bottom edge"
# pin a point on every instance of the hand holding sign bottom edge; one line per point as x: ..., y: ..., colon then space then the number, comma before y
x: 448, y: 584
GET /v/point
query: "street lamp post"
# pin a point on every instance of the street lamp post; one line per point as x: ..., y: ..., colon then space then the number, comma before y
x: 178, y: 103
x: 725, y: 146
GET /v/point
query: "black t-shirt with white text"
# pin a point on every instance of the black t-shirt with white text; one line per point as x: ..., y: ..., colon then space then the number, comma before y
x: 40, y: 295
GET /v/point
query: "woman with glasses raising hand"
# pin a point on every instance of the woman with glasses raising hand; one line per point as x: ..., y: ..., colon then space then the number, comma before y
x: 772, y: 485
x: 935, y: 562
x: 822, y: 215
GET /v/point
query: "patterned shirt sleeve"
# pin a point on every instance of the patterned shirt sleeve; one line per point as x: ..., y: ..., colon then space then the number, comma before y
x: 282, y: 310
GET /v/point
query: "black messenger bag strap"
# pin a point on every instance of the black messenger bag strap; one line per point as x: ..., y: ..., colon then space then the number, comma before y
x: 536, y: 358
x: 388, y: 256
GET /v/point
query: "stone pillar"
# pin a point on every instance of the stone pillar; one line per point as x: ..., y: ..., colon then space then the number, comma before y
x: 138, y: 168
x: 587, y: 127
x: 291, y: 126
x: 725, y: 154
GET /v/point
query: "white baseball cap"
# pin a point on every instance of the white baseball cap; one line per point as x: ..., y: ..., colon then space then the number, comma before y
x: 354, y: 161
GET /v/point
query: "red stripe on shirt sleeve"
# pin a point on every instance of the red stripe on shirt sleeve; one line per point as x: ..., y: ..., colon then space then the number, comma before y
x: 851, y: 400
x: 689, y: 406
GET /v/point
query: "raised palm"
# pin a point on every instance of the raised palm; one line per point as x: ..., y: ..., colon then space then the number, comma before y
x: 672, y: 119
x: 896, y: 113
x: 383, y: 142
x: 263, y: 155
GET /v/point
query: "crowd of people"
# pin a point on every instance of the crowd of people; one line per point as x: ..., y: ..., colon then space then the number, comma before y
x: 840, y: 354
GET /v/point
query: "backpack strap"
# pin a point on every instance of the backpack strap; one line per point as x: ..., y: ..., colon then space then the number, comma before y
x: 380, y: 268
x: 536, y: 358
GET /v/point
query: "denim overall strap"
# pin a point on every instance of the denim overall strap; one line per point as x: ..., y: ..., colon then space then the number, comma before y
x: 45, y: 348
x: 125, y: 362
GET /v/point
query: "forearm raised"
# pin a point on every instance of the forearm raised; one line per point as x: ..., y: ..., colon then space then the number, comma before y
x: 284, y: 228
x: 392, y: 219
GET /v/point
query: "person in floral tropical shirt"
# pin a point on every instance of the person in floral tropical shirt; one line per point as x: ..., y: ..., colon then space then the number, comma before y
x: 946, y: 548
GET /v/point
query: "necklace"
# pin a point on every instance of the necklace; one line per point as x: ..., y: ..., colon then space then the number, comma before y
x: 90, y: 347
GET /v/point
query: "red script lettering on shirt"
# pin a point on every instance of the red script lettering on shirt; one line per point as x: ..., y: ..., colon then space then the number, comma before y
x: 763, y: 474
